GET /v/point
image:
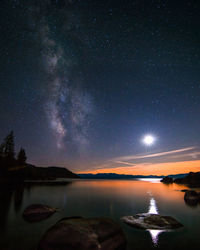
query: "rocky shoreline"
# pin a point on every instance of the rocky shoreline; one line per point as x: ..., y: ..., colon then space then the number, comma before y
x: 192, y: 180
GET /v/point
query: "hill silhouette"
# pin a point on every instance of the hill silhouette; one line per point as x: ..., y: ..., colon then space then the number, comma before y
x: 15, y: 169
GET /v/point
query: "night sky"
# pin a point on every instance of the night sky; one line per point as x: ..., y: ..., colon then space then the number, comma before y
x: 81, y: 82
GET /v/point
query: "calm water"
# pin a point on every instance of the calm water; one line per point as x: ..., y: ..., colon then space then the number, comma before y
x: 110, y: 198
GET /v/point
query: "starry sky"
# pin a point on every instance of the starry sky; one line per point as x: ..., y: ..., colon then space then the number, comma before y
x: 82, y: 81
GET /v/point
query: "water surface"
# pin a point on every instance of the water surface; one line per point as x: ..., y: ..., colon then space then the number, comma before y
x: 93, y: 198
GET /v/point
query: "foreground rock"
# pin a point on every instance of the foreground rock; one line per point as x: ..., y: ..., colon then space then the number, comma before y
x: 76, y: 233
x: 38, y: 212
x: 192, y: 198
x: 151, y: 221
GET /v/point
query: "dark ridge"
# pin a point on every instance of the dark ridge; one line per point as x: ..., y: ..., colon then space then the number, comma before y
x: 192, y: 179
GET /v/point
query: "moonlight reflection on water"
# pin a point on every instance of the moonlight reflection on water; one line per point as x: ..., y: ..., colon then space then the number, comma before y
x: 153, y: 207
x: 154, y: 210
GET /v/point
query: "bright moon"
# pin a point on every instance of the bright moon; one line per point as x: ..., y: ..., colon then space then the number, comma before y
x: 148, y: 140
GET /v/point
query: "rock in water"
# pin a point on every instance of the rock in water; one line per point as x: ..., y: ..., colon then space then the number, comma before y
x: 191, y: 197
x: 151, y: 221
x: 76, y: 233
x: 184, y: 190
x: 37, y: 212
x: 167, y: 180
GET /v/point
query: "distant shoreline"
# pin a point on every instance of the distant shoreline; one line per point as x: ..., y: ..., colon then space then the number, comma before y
x: 113, y: 176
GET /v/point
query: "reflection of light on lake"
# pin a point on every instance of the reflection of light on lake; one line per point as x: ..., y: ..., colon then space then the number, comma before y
x: 153, y: 232
x: 152, y: 180
x: 152, y: 207
x: 154, y: 235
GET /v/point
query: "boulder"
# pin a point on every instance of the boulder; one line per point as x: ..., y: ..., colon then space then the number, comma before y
x: 151, y: 221
x: 191, y: 198
x: 76, y: 233
x: 167, y: 180
x: 38, y: 212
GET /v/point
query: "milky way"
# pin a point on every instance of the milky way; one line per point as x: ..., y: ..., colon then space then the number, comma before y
x: 82, y: 81
x: 67, y: 106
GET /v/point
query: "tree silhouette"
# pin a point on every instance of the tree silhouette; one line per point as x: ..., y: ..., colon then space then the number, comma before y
x: 9, y: 148
x: 2, y: 150
x: 21, y: 157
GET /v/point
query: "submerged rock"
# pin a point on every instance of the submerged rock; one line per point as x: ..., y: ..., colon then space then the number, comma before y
x: 38, y: 212
x: 151, y: 221
x: 191, y: 198
x: 76, y: 233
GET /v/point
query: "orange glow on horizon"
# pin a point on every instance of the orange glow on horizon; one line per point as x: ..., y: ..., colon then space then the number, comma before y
x: 152, y: 169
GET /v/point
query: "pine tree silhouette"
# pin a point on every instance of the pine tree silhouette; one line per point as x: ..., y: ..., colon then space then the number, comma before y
x: 21, y: 157
x: 2, y: 150
x: 9, y: 150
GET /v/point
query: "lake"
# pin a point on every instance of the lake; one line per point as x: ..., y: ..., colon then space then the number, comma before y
x: 93, y: 198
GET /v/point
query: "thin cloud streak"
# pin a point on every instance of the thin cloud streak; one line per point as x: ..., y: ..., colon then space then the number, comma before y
x: 149, y: 169
x: 135, y: 157
x: 193, y: 155
x: 123, y: 162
